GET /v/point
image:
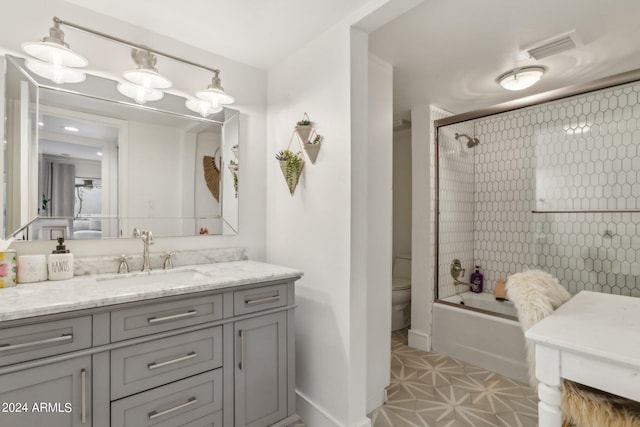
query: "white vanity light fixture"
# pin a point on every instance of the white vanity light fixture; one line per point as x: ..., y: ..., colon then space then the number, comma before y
x: 144, y: 82
x: 56, y: 61
x: 211, y: 99
x: 214, y: 93
x: 138, y: 93
x: 146, y: 74
x: 521, y: 78
x: 201, y: 107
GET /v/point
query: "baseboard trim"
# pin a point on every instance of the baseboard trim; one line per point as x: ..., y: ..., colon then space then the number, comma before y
x: 314, y: 415
x: 419, y: 340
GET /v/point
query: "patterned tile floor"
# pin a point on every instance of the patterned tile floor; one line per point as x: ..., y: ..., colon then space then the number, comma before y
x: 432, y: 390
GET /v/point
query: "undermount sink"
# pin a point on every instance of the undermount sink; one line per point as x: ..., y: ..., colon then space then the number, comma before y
x: 158, y: 276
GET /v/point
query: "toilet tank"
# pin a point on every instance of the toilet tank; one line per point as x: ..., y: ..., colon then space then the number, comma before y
x: 402, y: 266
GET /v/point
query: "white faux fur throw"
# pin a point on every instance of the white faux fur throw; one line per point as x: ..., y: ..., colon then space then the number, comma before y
x: 535, y: 294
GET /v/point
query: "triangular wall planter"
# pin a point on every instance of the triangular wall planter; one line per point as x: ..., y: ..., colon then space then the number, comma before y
x: 292, y: 181
x: 312, y: 151
x: 304, y: 131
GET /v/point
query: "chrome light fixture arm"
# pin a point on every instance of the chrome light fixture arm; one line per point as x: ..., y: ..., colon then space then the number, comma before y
x: 82, y: 28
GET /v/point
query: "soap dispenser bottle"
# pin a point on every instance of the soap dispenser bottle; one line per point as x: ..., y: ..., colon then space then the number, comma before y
x: 477, y: 280
x: 60, y: 262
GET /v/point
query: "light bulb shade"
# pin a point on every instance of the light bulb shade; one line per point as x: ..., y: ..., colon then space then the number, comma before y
x: 55, y: 54
x: 215, y: 96
x: 138, y: 93
x: 54, y: 50
x: 149, y: 79
x: 56, y: 73
x: 521, y: 78
x: 146, y: 74
x: 201, y: 107
x: 215, y: 93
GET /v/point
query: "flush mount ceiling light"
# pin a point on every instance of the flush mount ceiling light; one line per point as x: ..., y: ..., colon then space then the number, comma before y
x: 521, y: 78
x: 56, y: 59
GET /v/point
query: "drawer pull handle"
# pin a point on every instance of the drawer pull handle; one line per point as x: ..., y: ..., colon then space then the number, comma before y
x: 241, y: 361
x: 262, y: 300
x: 9, y: 347
x: 83, y: 414
x: 153, y: 414
x: 156, y: 365
x: 172, y: 317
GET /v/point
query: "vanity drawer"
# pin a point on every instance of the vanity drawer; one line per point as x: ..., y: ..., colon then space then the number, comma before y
x: 160, y: 317
x: 22, y: 343
x: 143, y: 366
x: 213, y: 420
x: 258, y: 299
x: 172, y: 405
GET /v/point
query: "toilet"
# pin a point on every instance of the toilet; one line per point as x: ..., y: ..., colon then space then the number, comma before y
x: 401, y: 292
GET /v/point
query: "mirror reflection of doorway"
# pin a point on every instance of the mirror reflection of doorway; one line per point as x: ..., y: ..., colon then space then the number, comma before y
x: 77, y: 157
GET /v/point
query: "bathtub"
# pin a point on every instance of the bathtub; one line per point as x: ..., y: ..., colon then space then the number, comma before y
x: 479, y: 330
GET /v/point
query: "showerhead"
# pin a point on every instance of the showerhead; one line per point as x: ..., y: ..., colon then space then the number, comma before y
x: 471, y: 142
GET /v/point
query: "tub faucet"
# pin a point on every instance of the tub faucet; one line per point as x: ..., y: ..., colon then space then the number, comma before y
x: 457, y: 271
x: 147, y: 239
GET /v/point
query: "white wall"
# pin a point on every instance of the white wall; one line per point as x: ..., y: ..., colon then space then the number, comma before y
x: 402, y: 192
x: 421, y: 247
x: 29, y: 20
x: 310, y: 230
x: 333, y: 228
x: 379, y: 229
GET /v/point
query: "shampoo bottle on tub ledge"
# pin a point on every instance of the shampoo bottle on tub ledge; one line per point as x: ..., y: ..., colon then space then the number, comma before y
x: 60, y: 262
x: 477, y: 280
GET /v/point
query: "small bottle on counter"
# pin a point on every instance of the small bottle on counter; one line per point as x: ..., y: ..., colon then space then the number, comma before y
x: 60, y: 262
x: 477, y: 280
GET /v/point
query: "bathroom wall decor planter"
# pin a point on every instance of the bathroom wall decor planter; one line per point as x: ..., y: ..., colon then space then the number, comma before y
x: 304, y: 128
x: 291, y: 165
x: 308, y: 137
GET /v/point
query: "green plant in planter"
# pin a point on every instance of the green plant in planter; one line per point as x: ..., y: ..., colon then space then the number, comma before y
x: 304, y: 122
x: 291, y: 164
x: 316, y: 140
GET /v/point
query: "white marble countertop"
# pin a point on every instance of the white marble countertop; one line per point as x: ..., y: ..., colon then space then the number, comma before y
x: 601, y: 325
x: 91, y: 291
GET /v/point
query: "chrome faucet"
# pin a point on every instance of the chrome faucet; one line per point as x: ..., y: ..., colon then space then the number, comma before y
x: 147, y: 239
x: 456, y: 272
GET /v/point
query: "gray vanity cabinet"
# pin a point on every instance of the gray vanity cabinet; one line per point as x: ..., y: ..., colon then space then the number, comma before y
x: 53, y: 395
x: 220, y: 358
x: 261, y: 370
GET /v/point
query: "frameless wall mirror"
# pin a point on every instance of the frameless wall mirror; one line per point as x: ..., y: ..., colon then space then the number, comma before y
x: 81, y: 161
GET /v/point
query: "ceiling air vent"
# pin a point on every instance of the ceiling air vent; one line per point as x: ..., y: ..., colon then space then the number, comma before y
x: 553, y: 45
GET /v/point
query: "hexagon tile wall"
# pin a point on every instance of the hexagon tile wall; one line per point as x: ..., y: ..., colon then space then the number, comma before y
x: 556, y: 187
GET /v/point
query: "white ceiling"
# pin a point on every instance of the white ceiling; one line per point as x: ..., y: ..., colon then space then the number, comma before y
x: 257, y: 33
x: 444, y: 52
x: 449, y: 53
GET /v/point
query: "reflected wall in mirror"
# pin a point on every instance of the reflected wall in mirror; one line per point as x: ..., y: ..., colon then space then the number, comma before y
x: 86, y: 164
